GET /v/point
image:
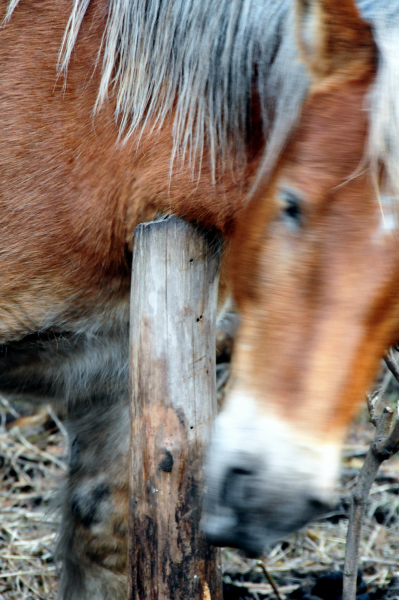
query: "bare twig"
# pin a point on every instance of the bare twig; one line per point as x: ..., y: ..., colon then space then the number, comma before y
x: 383, y: 446
x: 57, y: 421
x: 372, y: 400
x: 8, y: 406
x: 269, y: 578
x: 391, y: 363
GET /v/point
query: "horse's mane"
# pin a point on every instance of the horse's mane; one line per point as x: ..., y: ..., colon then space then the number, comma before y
x: 200, y: 58
x: 205, y: 58
x: 383, y: 146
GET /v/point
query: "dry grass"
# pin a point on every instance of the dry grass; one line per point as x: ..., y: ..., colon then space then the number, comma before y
x: 31, y: 462
x: 321, y: 545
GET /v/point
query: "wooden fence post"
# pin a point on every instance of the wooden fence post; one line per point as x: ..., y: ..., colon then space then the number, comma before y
x: 172, y: 366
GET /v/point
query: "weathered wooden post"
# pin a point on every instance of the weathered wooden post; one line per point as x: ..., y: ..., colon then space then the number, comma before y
x: 173, y: 313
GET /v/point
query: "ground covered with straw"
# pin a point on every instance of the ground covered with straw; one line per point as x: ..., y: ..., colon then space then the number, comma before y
x: 32, y: 449
x: 299, y: 561
x: 31, y: 461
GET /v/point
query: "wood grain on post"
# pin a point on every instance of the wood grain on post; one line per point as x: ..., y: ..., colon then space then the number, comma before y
x: 173, y: 314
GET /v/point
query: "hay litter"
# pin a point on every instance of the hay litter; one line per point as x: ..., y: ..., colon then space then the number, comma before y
x: 32, y: 462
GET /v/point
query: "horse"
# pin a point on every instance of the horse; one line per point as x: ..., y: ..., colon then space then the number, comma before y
x: 275, y: 123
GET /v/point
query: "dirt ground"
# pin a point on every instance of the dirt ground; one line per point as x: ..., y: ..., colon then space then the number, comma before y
x: 32, y: 451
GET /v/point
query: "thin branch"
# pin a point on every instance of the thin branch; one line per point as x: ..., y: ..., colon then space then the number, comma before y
x: 390, y: 445
x: 57, y: 421
x: 269, y: 578
x: 391, y: 363
x: 372, y: 400
x: 383, y: 446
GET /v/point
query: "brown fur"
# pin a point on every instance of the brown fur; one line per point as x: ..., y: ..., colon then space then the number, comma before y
x: 71, y: 198
x: 342, y: 43
x: 74, y: 241
x: 315, y: 275
x: 336, y: 311
x: 336, y: 254
x: 318, y: 299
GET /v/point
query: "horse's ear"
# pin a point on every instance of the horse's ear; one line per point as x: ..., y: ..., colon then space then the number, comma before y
x: 333, y: 36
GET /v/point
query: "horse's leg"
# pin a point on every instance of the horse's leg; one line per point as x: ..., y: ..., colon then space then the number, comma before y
x: 93, y: 501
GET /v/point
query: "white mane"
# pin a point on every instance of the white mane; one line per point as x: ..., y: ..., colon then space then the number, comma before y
x: 204, y: 59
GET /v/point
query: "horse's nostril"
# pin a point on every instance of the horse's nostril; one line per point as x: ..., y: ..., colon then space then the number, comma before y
x: 318, y: 506
x: 238, y: 487
x: 239, y: 471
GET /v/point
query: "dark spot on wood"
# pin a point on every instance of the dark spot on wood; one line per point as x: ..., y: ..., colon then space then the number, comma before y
x: 166, y: 463
x: 199, y: 318
x: 181, y: 417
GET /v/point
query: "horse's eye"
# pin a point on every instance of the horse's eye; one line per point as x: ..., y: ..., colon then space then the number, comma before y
x: 291, y: 207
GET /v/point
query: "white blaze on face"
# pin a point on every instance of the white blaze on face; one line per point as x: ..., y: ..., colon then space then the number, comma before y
x: 264, y: 478
x: 289, y: 460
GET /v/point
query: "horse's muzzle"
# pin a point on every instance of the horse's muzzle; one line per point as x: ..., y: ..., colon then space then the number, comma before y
x: 262, y: 483
x: 240, y: 522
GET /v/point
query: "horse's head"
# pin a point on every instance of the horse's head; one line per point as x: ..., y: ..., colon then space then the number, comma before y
x: 315, y: 270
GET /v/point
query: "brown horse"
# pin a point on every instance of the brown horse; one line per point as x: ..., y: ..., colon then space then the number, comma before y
x: 315, y: 276
x: 115, y: 111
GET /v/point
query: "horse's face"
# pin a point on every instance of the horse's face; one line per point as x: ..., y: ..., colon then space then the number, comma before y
x: 315, y: 268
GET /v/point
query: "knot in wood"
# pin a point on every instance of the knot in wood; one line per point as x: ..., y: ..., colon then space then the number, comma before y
x: 358, y: 499
x: 166, y: 463
x: 383, y: 450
